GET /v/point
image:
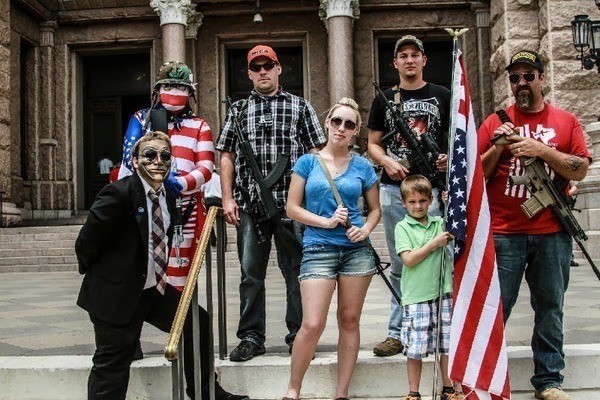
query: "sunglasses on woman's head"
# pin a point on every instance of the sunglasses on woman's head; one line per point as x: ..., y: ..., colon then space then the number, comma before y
x: 516, y: 78
x: 337, y: 121
x: 151, y: 155
x: 257, y: 67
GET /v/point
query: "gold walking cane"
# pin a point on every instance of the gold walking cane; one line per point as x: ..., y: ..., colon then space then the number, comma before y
x: 172, y: 348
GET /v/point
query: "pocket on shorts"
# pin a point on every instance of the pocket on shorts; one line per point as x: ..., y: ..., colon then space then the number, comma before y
x: 406, y: 329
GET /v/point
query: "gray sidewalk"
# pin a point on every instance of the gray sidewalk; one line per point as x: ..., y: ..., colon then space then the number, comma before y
x: 38, y: 315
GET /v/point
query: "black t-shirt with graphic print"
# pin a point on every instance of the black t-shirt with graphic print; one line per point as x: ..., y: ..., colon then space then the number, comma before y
x: 426, y: 108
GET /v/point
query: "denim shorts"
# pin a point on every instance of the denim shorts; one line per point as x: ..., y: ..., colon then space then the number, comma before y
x: 328, y: 262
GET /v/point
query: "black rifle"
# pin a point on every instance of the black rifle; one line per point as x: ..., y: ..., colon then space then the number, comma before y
x: 424, y: 151
x: 545, y: 192
x: 266, y: 207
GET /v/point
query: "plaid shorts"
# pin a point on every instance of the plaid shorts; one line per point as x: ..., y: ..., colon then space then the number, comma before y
x: 418, y: 333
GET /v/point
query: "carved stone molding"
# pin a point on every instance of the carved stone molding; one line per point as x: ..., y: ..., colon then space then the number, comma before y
x: 173, y: 11
x: 48, y: 28
x: 482, y: 14
x: 339, y: 8
x: 194, y: 22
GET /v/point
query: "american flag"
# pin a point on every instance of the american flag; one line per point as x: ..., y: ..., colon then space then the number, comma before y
x: 478, y: 359
x: 133, y: 133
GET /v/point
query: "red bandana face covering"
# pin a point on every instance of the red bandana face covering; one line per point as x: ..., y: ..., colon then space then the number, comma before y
x: 174, y: 99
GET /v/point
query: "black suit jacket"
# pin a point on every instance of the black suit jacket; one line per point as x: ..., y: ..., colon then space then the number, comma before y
x: 112, y: 251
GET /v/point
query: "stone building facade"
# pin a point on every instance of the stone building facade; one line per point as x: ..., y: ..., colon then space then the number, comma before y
x: 71, y: 72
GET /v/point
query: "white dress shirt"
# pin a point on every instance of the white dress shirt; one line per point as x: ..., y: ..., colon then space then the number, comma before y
x: 162, y: 201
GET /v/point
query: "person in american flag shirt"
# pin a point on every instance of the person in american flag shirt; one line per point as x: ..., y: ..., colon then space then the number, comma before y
x: 193, y: 154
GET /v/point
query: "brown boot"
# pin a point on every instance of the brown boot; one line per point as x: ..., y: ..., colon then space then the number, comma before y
x: 552, y: 393
x: 389, y: 347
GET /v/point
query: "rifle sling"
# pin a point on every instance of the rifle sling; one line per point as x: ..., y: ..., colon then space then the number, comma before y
x: 338, y: 200
x: 280, y: 165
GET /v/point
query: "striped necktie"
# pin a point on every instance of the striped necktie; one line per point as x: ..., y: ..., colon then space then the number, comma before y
x: 159, y: 241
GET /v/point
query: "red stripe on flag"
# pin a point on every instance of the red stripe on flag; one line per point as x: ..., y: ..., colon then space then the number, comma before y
x: 480, y: 344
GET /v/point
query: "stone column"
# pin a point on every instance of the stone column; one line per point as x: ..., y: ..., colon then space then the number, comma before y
x: 5, y: 134
x: 482, y: 15
x: 191, y: 35
x: 588, y: 198
x: 47, y: 141
x: 173, y: 20
x: 339, y: 16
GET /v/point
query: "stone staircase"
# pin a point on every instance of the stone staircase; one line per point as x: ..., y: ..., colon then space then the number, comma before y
x: 51, y: 248
x: 38, y: 248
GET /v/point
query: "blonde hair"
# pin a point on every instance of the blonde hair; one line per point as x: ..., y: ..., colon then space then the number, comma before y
x: 415, y: 183
x: 348, y: 102
x: 153, y: 135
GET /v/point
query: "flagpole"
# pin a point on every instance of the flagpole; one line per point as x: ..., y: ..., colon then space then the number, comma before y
x: 455, y: 33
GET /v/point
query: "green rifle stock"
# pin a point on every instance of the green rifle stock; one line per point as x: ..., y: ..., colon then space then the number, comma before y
x: 546, y: 193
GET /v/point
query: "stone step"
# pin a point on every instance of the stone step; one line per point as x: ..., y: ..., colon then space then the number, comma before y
x: 40, y: 229
x: 39, y: 246
x: 38, y: 237
x: 38, y: 260
x: 38, y: 268
x: 265, y: 377
x: 47, y: 252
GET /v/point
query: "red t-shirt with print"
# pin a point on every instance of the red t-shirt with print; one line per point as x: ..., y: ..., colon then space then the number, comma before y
x: 554, y: 127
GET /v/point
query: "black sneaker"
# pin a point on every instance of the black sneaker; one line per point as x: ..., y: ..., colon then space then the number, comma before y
x: 222, y: 394
x: 245, y: 351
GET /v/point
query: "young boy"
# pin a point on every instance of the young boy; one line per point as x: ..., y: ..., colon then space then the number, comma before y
x: 420, y: 242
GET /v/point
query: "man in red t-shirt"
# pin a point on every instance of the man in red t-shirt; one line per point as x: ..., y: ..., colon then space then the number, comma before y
x: 538, y: 248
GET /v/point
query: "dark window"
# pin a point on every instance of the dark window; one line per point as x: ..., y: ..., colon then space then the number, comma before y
x: 291, y: 78
x: 439, y: 62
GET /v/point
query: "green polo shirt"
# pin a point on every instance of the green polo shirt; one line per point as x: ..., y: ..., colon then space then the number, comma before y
x: 421, y: 282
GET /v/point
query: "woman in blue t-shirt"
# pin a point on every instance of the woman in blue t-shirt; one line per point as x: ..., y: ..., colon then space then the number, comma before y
x: 332, y: 253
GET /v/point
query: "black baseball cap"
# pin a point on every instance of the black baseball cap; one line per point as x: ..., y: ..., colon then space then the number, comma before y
x: 526, y: 57
x: 408, y: 39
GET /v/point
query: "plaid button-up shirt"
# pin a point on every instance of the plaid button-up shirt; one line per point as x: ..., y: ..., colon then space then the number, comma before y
x: 274, y: 125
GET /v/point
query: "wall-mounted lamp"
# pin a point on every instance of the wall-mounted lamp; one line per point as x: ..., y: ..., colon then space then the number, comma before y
x: 258, y: 18
x: 586, y: 35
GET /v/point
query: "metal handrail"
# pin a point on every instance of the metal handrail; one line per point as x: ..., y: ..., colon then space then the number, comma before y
x: 171, y: 352
x: 173, y: 348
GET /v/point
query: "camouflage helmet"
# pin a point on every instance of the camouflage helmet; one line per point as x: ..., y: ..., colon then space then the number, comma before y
x: 175, y: 73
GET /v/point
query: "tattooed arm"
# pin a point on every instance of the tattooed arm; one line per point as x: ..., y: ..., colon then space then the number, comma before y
x: 569, y: 166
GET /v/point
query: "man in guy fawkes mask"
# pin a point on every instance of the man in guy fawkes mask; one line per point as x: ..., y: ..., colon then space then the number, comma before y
x: 193, y: 154
x: 122, y: 251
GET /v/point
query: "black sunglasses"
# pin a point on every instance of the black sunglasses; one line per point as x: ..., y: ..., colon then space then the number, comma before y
x: 257, y: 67
x: 337, y: 121
x: 516, y: 78
x: 151, y: 155
x: 170, y: 86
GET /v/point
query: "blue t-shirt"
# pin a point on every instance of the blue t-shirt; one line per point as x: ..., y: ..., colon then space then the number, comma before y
x: 319, y: 199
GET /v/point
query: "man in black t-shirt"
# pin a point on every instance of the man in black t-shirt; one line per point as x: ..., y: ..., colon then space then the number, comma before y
x: 425, y: 108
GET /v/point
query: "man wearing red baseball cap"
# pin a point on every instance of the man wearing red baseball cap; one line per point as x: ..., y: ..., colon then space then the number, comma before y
x: 280, y: 127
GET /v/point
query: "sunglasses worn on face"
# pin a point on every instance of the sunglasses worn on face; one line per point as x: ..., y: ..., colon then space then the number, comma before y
x: 516, y: 78
x: 169, y: 86
x: 151, y: 155
x: 348, y: 125
x: 257, y: 67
